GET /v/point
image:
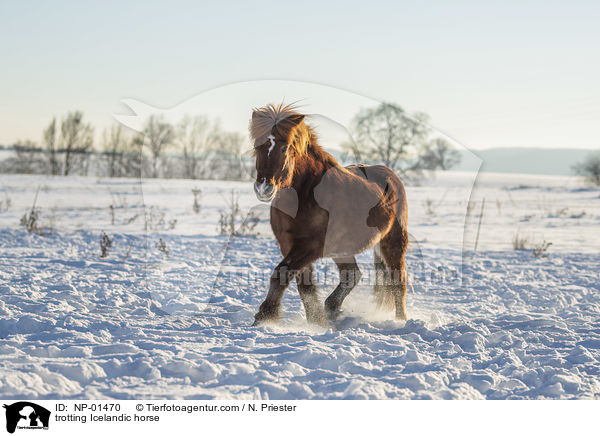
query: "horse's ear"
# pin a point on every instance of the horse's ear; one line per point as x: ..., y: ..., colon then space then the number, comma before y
x: 296, y: 119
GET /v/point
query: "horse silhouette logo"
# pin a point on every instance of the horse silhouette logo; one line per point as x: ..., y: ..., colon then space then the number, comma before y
x: 26, y: 415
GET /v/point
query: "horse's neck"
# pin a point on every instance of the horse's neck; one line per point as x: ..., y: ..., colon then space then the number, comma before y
x: 311, y: 167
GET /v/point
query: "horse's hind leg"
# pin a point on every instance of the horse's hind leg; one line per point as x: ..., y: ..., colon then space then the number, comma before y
x: 349, y: 277
x: 385, y: 300
x: 393, y: 251
x: 308, y: 295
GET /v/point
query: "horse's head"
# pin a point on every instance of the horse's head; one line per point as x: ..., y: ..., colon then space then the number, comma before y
x: 273, y: 130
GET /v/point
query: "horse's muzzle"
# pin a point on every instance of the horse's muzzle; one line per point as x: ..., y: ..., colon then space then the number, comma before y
x: 264, y: 191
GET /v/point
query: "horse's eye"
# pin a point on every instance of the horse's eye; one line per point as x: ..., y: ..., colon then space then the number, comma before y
x: 284, y: 148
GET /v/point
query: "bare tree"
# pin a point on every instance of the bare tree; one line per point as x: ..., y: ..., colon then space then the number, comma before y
x: 387, y: 134
x: 115, y: 144
x: 159, y: 134
x: 76, y: 140
x: 197, y: 137
x: 439, y: 153
x: 229, y: 156
x: 28, y: 159
x: 133, y: 161
x: 590, y: 168
x: 51, y: 148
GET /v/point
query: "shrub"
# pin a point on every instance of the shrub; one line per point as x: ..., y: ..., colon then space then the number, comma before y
x: 231, y: 221
x: 161, y: 246
x: 589, y: 169
x: 520, y: 242
x: 197, y: 194
x: 540, y: 250
x: 105, y: 244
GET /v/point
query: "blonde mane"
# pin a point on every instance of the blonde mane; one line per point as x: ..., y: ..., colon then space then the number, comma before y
x: 265, y: 118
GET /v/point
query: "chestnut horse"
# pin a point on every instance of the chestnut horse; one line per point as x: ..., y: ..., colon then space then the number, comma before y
x: 321, y: 209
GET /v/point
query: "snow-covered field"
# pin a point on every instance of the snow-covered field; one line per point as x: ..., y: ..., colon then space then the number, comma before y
x: 176, y: 322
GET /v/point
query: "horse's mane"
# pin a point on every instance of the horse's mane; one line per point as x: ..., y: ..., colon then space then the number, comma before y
x: 265, y: 118
x: 289, y: 122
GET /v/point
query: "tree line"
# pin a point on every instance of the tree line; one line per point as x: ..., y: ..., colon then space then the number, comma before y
x: 194, y: 148
x: 198, y: 148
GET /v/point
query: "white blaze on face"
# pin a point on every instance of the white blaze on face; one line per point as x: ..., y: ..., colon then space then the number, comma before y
x: 272, y: 139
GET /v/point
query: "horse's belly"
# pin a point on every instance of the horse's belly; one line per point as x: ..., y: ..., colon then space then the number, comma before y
x: 349, y: 237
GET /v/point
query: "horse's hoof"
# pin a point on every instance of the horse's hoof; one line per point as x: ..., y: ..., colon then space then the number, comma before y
x: 261, y: 319
x: 401, y: 316
x: 263, y: 322
x: 333, y: 315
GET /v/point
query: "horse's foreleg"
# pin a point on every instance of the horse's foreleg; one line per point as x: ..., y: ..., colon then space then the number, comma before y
x: 308, y: 295
x: 291, y: 265
x: 349, y: 277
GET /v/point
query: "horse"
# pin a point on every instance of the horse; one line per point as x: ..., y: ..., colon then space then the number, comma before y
x: 321, y: 209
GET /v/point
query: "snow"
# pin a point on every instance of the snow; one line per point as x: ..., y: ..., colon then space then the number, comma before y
x: 495, y: 323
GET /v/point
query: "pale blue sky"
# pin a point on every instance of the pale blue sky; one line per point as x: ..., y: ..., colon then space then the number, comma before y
x: 502, y: 74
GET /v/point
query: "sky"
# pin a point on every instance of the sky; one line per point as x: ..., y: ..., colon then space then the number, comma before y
x: 501, y: 74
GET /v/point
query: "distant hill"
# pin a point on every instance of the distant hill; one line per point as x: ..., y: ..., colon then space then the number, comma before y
x: 557, y: 161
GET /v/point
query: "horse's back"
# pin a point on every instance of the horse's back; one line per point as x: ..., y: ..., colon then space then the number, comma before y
x: 386, y: 179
